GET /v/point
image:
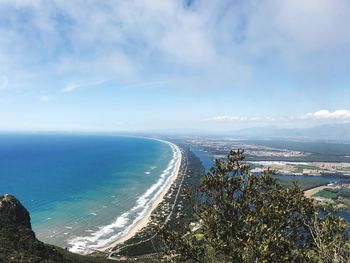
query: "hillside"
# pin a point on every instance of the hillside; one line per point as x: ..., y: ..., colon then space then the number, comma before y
x: 18, y: 241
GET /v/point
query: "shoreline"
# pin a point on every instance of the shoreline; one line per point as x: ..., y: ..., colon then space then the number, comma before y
x: 143, y: 222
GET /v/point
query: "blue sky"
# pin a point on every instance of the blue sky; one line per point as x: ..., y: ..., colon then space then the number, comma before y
x: 136, y: 65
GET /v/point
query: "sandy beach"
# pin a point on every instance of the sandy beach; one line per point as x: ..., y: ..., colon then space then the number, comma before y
x: 146, y: 219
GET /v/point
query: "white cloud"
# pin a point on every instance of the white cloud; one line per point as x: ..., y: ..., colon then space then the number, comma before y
x: 72, y: 87
x: 320, y: 115
x: 46, y: 98
x: 210, y: 44
x: 227, y: 118
x: 152, y: 84
x: 69, y: 88
x: 326, y: 114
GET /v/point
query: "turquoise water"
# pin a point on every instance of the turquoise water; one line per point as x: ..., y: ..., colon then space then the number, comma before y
x: 83, y: 190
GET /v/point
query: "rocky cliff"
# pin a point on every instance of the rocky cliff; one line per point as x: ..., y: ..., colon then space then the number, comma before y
x: 18, y: 242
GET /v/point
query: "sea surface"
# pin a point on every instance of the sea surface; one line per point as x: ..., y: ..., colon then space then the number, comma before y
x: 83, y: 191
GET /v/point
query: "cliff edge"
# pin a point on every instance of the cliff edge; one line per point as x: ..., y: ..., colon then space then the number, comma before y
x: 18, y: 242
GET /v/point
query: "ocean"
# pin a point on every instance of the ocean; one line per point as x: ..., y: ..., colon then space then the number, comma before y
x: 84, y: 191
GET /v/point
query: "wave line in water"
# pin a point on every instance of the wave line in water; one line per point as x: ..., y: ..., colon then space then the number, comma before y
x: 122, y: 225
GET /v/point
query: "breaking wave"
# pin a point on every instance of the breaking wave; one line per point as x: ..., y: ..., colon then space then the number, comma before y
x: 107, y: 234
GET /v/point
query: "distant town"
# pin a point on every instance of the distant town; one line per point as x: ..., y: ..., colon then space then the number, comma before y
x: 285, y: 161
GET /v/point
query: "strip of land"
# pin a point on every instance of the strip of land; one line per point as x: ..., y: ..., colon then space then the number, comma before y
x: 312, y: 191
x: 146, y: 219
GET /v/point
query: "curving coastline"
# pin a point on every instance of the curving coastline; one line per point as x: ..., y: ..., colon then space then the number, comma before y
x: 155, y: 202
x: 147, y: 202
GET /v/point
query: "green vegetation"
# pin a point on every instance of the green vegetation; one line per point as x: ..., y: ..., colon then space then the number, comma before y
x: 246, y: 218
x: 340, y: 197
x: 300, y: 167
x: 334, y: 193
x: 327, y: 193
x: 304, y: 182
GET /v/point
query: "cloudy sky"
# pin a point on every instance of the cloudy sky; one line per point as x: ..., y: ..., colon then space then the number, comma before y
x: 173, y: 64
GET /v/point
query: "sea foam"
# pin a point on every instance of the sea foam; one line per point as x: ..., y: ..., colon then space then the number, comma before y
x: 107, y: 234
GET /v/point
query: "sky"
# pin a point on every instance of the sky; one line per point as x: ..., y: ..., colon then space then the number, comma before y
x: 172, y: 65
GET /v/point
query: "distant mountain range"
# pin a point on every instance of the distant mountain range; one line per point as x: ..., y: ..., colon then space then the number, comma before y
x: 333, y: 132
